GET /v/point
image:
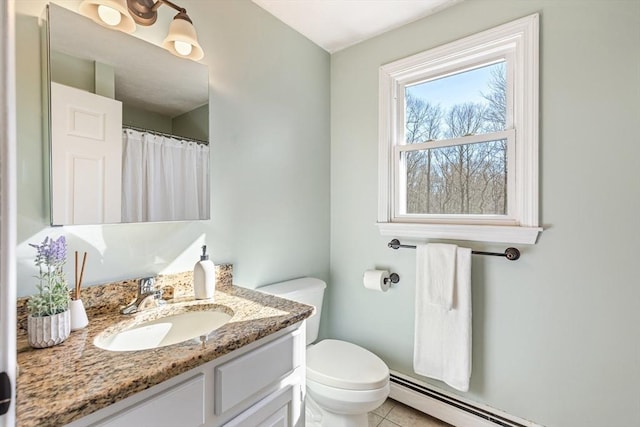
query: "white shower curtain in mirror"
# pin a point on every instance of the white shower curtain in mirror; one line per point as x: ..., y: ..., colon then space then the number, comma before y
x: 163, y: 179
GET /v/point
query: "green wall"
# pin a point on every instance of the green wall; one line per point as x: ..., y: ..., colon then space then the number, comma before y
x: 144, y: 119
x: 190, y: 124
x: 269, y: 123
x: 555, y: 334
x: 71, y: 71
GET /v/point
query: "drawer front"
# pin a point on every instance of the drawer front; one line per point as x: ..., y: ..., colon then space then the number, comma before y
x: 181, y: 405
x: 242, y: 379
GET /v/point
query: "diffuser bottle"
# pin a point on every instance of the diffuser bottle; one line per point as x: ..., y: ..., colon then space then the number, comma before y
x: 204, y: 277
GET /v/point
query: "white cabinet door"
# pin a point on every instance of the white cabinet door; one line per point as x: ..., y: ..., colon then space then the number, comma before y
x: 86, y: 157
x: 273, y: 411
x: 182, y: 405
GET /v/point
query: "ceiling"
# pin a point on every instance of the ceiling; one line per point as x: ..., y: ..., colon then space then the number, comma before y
x: 337, y: 24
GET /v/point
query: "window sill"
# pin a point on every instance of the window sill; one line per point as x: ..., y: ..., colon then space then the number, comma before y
x: 475, y: 233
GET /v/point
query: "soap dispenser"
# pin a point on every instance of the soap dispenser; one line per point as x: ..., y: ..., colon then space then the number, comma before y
x: 204, y: 277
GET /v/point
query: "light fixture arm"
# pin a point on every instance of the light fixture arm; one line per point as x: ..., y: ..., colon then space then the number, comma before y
x: 144, y: 12
x: 170, y: 4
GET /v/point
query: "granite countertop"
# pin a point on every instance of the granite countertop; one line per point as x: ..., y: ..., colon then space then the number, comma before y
x: 63, y: 383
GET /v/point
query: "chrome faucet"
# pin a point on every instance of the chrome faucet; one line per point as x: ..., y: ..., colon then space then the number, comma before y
x: 147, y: 297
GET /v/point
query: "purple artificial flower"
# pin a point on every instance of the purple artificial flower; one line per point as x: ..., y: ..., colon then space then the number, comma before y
x: 58, y: 251
x: 52, y: 253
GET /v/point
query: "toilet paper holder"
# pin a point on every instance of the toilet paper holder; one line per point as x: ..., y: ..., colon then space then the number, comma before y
x: 393, y: 278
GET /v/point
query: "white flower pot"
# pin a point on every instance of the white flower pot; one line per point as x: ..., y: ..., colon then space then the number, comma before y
x: 47, y: 331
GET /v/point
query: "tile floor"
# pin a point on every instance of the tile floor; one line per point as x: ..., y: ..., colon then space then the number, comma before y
x: 395, y: 414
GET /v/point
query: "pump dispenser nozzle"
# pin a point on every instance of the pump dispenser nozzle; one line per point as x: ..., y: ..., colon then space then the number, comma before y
x: 204, y: 255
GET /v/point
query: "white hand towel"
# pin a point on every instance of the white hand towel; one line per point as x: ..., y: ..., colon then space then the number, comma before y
x: 436, y: 266
x: 442, y: 343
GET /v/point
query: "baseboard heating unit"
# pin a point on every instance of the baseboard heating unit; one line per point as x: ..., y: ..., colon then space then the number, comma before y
x: 449, y: 407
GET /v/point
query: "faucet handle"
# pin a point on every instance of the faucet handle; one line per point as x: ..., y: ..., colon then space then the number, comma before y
x: 152, y: 300
x: 146, y: 285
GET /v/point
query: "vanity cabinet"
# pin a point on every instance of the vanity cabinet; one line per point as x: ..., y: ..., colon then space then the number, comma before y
x: 260, y: 384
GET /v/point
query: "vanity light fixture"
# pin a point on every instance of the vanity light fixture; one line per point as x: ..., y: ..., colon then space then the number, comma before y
x: 109, y: 13
x: 123, y: 15
x: 182, y: 39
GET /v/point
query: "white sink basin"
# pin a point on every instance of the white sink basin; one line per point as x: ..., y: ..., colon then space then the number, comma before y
x: 163, y: 331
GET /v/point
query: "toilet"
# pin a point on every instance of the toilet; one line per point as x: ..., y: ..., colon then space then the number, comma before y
x: 344, y: 381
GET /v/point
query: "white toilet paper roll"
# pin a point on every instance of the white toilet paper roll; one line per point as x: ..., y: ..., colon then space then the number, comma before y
x: 375, y: 280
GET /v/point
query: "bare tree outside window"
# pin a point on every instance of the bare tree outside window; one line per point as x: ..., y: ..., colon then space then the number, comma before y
x: 465, y: 178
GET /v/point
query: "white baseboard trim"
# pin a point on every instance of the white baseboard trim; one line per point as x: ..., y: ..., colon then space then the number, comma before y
x: 448, y: 407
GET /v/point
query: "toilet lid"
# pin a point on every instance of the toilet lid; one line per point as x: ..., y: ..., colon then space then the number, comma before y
x: 344, y: 365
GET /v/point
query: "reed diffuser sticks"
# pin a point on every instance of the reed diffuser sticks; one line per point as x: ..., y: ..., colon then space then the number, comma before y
x: 78, y: 280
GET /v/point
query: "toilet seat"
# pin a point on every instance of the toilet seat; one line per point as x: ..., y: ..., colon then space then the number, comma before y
x: 344, y: 365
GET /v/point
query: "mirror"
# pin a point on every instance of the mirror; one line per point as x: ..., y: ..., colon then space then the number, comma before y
x: 119, y: 107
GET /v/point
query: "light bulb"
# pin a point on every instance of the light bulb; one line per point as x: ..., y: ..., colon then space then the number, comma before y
x: 183, y: 48
x: 109, y: 15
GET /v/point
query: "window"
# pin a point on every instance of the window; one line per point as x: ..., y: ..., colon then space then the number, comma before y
x: 458, y: 151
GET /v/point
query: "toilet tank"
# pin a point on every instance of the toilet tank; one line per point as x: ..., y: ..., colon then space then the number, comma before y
x: 307, y: 290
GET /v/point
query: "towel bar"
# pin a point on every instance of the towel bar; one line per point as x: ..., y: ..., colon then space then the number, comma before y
x: 511, y: 254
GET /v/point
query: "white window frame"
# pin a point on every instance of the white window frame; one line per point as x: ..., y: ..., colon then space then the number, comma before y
x: 516, y: 43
